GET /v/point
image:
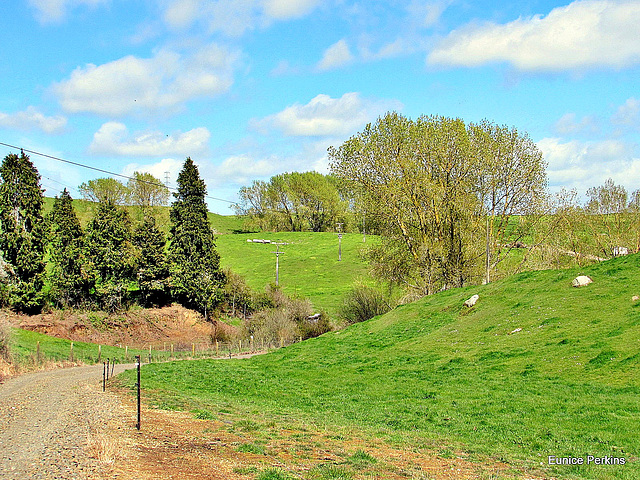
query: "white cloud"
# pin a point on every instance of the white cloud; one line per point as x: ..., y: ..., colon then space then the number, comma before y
x: 52, y: 11
x: 583, y: 34
x: 135, y: 85
x: 243, y: 169
x: 337, y: 55
x: 113, y: 138
x: 628, y: 114
x: 324, y: 116
x: 427, y: 14
x: 158, y: 169
x: 581, y: 165
x: 569, y: 125
x: 33, y: 119
x: 286, y: 9
x: 235, y: 17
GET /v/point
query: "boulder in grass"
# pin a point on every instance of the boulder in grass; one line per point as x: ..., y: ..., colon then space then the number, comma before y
x: 472, y: 301
x: 581, y: 281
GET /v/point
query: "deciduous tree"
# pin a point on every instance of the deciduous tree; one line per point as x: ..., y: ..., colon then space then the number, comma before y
x: 106, y: 190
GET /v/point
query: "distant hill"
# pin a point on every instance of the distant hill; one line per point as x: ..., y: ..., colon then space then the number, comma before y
x: 535, y: 368
x: 221, y: 223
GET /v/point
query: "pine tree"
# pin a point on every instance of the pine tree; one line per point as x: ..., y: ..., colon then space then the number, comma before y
x: 69, y: 280
x: 112, y: 255
x: 196, y: 279
x: 22, y: 233
x: 152, y: 269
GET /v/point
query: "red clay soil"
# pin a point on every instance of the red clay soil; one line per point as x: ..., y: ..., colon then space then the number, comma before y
x: 136, y: 328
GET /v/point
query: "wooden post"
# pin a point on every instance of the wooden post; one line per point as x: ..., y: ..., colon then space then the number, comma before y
x: 38, y: 357
x: 71, y: 353
x: 193, y: 349
x: 126, y: 352
x: 99, y: 353
x: 216, y: 347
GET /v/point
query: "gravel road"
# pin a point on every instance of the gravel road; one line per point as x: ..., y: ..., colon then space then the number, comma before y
x: 46, y: 419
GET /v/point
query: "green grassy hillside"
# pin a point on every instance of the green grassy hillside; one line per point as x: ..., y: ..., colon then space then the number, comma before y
x: 309, y: 266
x: 536, y: 368
x: 220, y: 223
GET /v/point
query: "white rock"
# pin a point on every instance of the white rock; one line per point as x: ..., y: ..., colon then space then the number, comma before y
x: 581, y: 281
x: 472, y: 301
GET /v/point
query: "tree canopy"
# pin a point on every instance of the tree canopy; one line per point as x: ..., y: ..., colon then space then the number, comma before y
x: 439, y: 188
x: 293, y: 202
x: 196, y: 278
x: 69, y: 280
x: 22, y: 232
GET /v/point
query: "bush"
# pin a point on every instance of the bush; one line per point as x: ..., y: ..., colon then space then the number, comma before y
x: 363, y: 303
x: 310, y: 328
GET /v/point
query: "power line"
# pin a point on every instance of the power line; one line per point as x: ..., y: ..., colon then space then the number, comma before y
x: 58, y: 159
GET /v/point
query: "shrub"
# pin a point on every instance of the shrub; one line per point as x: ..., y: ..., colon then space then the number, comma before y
x: 309, y: 328
x: 363, y: 303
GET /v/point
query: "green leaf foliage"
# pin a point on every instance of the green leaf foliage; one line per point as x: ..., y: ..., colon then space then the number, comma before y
x: 196, y: 279
x: 293, y: 202
x: 153, y: 268
x: 112, y: 255
x: 70, y: 282
x: 22, y: 237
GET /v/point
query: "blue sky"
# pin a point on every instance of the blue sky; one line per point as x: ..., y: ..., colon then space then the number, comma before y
x: 252, y: 88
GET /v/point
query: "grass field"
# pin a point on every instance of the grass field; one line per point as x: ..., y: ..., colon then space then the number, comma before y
x: 220, y: 223
x: 309, y: 266
x: 536, y: 368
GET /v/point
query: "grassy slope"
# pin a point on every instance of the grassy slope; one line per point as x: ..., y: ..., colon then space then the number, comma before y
x: 566, y: 384
x: 308, y: 267
x: 220, y: 223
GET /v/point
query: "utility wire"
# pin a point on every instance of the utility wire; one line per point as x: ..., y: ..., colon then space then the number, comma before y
x: 58, y: 159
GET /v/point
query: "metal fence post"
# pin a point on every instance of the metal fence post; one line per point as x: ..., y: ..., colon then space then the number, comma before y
x: 138, y: 361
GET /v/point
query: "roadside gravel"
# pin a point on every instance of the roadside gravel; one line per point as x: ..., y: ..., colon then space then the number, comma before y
x: 47, y: 420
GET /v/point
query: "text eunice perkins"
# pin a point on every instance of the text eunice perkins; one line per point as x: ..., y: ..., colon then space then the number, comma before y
x: 588, y: 460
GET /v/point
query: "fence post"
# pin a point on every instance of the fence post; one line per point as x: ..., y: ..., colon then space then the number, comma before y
x: 104, y: 376
x: 71, y: 353
x: 138, y: 360
x: 38, y: 357
x: 216, y: 348
x: 193, y: 349
x: 99, y: 353
x: 108, y: 369
x: 126, y: 352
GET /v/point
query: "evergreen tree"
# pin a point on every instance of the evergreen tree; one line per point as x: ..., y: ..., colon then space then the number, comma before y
x: 196, y: 279
x: 69, y: 280
x: 153, y: 269
x: 111, y: 253
x: 22, y: 233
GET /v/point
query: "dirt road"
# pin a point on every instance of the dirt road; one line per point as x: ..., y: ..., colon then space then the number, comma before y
x: 46, y: 422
